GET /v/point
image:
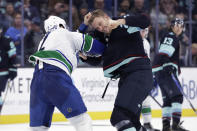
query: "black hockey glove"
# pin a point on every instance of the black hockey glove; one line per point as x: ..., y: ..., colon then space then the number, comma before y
x: 169, y: 69
x: 12, y: 73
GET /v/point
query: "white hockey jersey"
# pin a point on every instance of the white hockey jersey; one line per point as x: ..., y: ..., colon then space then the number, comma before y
x: 60, y: 48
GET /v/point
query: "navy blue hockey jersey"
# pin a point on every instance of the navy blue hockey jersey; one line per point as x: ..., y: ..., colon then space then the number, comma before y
x: 7, y: 55
x: 168, y: 53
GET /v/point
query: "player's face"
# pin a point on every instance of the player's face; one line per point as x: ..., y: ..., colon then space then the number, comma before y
x: 178, y: 28
x: 144, y: 33
x: 101, y: 24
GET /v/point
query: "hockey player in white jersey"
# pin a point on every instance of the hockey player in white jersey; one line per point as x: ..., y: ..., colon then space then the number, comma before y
x: 146, y: 105
x: 51, y: 85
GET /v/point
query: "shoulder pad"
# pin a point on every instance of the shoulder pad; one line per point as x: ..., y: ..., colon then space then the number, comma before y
x: 171, y: 33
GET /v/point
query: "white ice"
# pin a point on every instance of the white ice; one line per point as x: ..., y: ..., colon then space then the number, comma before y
x: 189, y: 123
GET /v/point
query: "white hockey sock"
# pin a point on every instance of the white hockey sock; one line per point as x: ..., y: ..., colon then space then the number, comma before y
x: 39, y: 128
x: 81, y: 122
x: 146, y: 110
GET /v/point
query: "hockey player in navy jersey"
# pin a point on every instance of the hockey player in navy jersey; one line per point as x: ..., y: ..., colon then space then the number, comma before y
x: 166, y: 63
x: 51, y: 85
x: 124, y: 58
x: 8, y: 69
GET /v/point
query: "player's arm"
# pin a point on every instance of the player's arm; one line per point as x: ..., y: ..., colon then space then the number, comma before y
x: 84, y: 26
x: 166, y: 51
x: 91, y: 50
x: 142, y: 21
x: 86, y: 43
x: 11, y: 51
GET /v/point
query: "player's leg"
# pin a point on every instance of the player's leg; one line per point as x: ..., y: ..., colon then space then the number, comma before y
x: 81, y: 122
x: 68, y: 100
x: 132, y: 91
x: 39, y: 128
x: 41, y: 109
x: 121, y: 119
x: 146, y: 110
x: 164, y: 85
x: 177, y: 100
x: 146, y: 114
x: 3, y: 82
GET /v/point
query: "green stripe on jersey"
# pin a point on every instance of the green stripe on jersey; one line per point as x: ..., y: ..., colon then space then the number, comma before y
x: 88, y: 43
x: 51, y: 55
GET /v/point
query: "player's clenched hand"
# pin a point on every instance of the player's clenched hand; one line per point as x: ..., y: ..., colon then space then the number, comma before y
x: 86, y: 18
x: 82, y: 56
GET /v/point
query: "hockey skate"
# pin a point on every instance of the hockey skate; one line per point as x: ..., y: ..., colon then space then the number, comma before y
x: 143, y: 129
x: 178, y: 127
x: 166, y: 127
x: 149, y: 127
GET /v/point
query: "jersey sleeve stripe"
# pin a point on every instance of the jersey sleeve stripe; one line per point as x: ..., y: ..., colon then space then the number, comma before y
x: 88, y: 40
x: 12, y: 52
x: 167, y: 49
x: 83, y: 42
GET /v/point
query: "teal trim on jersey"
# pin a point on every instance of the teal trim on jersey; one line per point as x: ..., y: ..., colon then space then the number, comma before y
x: 13, y: 69
x: 157, y: 69
x: 51, y: 55
x: 3, y: 73
x: 164, y: 65
x: 176, y: 107
x: 88, y: 43
x: 11, y: 52
x: 130, y: 129
x: 115, y: 67
x: 131, y: 29
x: 172, y: 64
x: 167, y: 49
x: 167, y: 112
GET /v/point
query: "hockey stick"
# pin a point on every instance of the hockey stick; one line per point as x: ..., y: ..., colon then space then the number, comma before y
x: 105, y: 89
x: 6, y: 92
x: 156, y: 101
x: 179, y: 86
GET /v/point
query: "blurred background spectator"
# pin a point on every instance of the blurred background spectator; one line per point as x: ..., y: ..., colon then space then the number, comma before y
x: 14, y: 32
x: 33, y: 38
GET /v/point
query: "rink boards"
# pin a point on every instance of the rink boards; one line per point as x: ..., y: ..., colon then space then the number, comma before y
x: 91, y: 83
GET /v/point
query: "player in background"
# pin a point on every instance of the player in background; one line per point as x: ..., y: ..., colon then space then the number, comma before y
x: 51, y: 85
x: 166, y: 63
x: 124, y: 58
x: 146, y: 105
x: 8, y: 69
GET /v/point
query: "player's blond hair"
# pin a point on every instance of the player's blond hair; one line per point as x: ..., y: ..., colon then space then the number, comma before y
x: 96, y: 13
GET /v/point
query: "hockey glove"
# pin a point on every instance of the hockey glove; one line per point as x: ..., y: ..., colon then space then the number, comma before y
x: 169, y: 69
x: 12, y: 73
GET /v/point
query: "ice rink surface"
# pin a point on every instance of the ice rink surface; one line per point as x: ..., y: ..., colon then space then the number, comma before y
x: 189, y: 123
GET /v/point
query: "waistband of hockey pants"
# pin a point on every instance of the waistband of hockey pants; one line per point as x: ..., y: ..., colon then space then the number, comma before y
x: 44, y: 66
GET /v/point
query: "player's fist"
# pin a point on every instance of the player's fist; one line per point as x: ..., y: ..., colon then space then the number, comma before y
x: 86, y: 18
